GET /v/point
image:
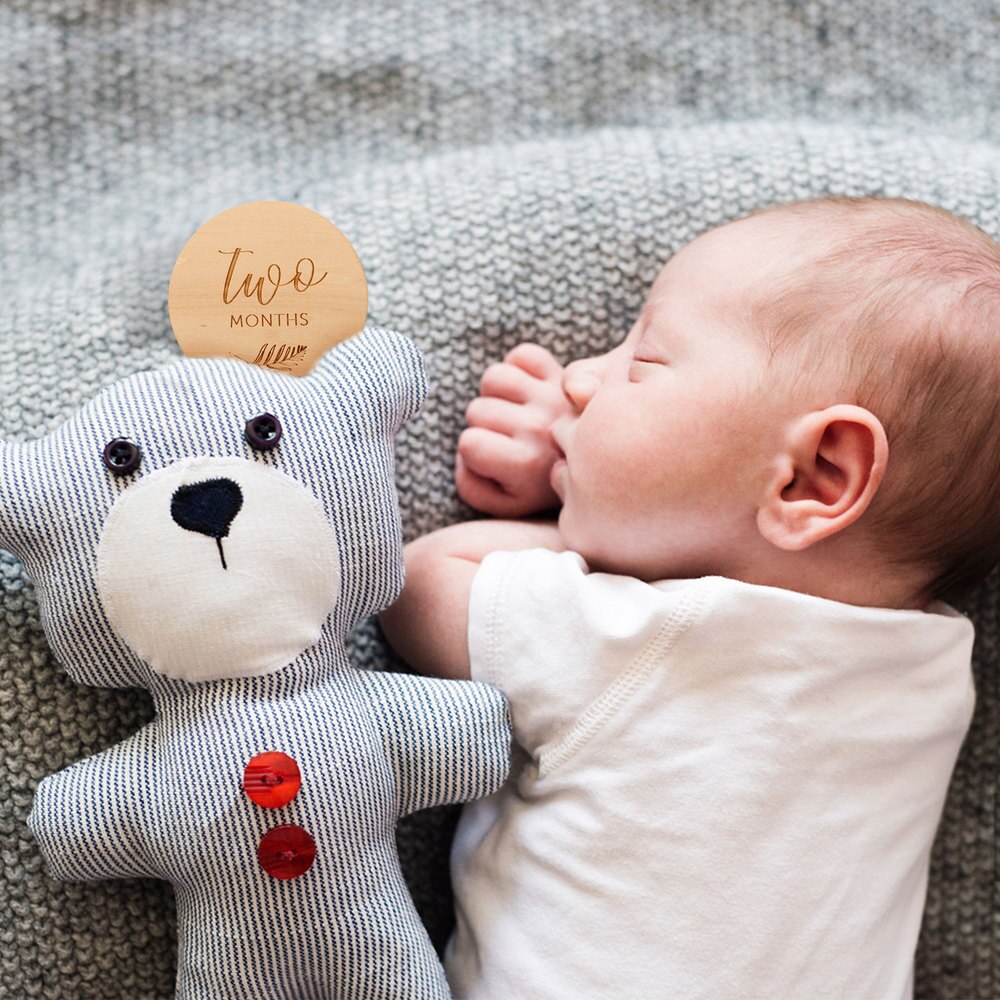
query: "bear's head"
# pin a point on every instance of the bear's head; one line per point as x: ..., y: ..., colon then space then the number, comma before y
x: 212, y: 519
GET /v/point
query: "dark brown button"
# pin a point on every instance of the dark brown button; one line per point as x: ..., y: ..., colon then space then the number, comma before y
x: 263, y: 432
x: 121, y: 456
x: 272, y: 779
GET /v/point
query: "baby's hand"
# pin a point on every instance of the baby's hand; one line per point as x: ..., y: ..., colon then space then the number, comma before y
x: 506, y: 453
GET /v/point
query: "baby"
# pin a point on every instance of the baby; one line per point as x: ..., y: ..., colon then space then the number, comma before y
x: 736, y: 688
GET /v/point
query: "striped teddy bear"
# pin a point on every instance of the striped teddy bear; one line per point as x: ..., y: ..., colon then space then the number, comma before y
x: 212, y: 531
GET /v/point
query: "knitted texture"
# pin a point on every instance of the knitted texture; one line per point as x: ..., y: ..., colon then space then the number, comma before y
x: 506, y: 171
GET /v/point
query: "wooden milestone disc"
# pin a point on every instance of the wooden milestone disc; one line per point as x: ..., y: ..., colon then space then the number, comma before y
x: 270, y: 282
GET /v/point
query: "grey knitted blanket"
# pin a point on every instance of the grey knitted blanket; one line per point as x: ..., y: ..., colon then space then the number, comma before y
x: 507, y: 170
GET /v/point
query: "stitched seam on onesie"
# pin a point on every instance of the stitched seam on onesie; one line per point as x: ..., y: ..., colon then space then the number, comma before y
x: 627, y: 683
x: 492, y: 617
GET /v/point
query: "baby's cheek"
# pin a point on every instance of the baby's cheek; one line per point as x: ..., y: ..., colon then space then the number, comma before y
x: 620, y: 477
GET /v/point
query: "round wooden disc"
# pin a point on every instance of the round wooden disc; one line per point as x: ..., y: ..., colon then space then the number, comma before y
x: 270, y: 282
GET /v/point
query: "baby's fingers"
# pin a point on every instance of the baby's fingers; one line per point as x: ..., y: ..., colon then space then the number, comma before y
x: 505, y: 416
x: 508, y: 382
x: 485, y: 495
x: 500, y: 475
x: 493, y: 455
x: 534, y: 359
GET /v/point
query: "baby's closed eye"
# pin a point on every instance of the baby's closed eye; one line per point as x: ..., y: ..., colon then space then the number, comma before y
x: 641, y: 357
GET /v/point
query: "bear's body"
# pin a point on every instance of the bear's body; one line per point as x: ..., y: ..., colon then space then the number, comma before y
x: 169, y: 803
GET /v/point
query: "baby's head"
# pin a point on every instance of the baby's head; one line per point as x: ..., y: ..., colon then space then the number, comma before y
x: 807, y: 400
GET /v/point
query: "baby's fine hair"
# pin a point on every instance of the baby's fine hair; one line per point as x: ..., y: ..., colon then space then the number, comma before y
x: 902, y: 308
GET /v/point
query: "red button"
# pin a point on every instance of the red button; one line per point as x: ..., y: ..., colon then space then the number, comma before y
x: 286, y: 851
x: 272, y: 779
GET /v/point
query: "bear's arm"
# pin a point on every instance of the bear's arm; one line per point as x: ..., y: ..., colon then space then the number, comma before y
x: 448, y: 741
x: 88, y: 818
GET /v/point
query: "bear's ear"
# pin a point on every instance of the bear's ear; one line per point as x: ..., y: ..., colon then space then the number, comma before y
x: 386, y: 367
x: 17, y: 494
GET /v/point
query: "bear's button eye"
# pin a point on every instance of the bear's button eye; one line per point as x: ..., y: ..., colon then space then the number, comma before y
x: 121, y: 456
x: 263, y: 431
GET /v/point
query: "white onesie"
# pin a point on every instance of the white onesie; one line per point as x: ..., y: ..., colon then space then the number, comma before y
x: 728, y: 790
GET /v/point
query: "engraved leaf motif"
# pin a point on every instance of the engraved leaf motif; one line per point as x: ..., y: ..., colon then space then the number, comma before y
x: 275, y: 357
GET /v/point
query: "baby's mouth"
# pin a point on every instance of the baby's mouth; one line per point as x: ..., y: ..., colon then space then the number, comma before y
x: 555, y: 475
x: 558, y: 466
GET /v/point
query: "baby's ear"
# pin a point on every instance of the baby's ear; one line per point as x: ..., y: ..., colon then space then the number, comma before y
x: 20, y: 510
x: 826, y: 477
x: 386, y: 367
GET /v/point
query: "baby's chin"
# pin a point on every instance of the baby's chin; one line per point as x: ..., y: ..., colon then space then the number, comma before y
x: 605, y: 549
x: 592, y: 542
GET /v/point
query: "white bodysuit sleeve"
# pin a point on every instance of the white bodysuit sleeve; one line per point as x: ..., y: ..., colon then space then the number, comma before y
x: 553, y: 636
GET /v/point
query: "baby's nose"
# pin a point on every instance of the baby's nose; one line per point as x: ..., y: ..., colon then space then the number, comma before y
x: 580, y: 382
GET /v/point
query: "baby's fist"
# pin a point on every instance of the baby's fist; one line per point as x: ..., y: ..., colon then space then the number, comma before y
x: 506, y: 453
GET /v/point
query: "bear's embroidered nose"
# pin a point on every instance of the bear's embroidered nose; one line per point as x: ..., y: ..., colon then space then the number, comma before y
x: 207, y: 507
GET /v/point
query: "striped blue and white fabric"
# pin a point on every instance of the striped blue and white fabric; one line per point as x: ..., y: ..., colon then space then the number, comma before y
x: 224, y: 572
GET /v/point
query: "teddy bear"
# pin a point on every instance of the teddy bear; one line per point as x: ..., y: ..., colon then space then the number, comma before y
x: 212, y: 530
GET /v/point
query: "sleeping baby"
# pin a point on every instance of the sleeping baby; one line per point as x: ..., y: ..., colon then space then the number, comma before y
x: 736, y: 687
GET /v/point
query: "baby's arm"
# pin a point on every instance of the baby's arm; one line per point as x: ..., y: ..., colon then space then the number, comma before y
x: 428, y: 624
x: 506, y: 453
x: 501, y: 467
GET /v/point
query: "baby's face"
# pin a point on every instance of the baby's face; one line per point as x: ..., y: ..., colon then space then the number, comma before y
x: 668, y: 449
